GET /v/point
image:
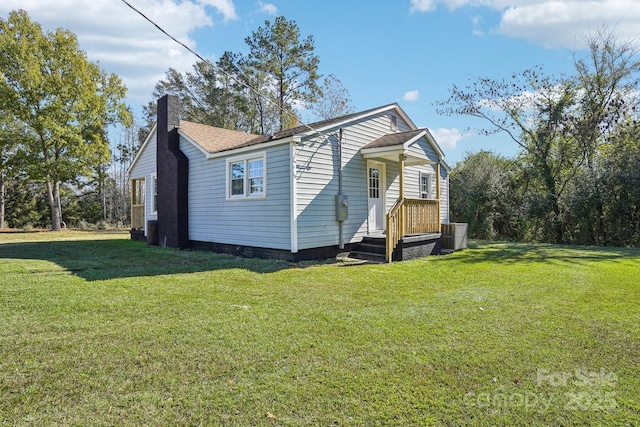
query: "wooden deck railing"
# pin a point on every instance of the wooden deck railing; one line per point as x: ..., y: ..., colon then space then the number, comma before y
x: 411, y: 216
x: 394, y: 227
x: 137, y: 217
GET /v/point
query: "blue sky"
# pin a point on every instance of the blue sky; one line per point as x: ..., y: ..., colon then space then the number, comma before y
x: 405, y: 51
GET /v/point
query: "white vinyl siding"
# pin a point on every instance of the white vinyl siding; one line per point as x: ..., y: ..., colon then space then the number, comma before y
x: 260, y: 221
x: 317, y: 181
x: 444, y: 195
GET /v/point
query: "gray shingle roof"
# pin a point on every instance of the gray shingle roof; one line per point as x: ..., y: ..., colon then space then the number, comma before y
x: 214, y: 140
x: 394, y: 139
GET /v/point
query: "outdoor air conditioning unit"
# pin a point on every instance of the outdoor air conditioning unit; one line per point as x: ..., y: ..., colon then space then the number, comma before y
x: 454, y: 236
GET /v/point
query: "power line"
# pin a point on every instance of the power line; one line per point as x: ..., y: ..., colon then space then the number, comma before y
x: 247, y: 86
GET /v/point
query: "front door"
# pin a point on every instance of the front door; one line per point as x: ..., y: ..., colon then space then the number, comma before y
x: 376, y: 183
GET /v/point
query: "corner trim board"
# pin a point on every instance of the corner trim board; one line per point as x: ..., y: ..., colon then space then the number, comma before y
x: 293, y: 198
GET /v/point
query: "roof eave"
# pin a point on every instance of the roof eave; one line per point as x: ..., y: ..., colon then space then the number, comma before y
x: 392, y: 153
x: 253, y: 147
x: 312, y: 131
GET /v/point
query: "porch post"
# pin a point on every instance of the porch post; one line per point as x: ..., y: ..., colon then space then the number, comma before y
x: 401, y: 218
x: 438, y: 195
x: 131, y: 199
x: 438, y: 181
x: 401, y: 166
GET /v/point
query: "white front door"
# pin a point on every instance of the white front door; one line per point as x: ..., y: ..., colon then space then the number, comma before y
x: 376, y: 183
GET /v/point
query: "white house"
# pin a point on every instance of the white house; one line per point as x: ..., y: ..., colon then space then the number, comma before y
x: 347, y: 184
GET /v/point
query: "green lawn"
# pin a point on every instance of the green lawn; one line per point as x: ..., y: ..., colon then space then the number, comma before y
x: 99, y: 330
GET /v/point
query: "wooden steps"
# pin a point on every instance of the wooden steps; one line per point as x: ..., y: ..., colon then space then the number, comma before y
x: 371, y: 248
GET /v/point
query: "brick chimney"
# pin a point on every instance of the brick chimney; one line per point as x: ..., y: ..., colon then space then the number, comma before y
x: 173, y: 177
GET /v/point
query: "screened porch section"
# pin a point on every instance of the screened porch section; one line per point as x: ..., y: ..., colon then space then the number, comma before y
x: 137, y: 204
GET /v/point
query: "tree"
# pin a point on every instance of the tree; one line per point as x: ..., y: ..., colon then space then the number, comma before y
x: 8, y: 144
x: 212, y: 94
x: 291, y: 66
x: 334, y: 100
x: 607, y: 78
x: 483, y: 195
x: 63, y: 101
x: 531, y: 109
x: 563, y: 127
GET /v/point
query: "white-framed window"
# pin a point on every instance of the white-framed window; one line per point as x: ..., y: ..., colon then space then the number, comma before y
x: 425, y: 185
x: 154, y: 193
x: 246, y: 177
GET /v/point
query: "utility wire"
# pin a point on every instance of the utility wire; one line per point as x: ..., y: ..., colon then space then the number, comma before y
x: 247, y: 86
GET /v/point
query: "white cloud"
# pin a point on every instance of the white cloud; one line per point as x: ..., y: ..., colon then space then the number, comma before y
x: 447, y: 138
x: 476, y: 20
x: 561, y: 23
x: 411, y: 96
x: 429, y: 5
x: 558, y: 23
x: 122, y: 41
x: 423, y: 5
x: 224, y: 7
x: 268, y: 8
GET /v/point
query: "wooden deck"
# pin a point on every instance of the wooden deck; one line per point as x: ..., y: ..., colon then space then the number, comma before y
x: 411, y: 217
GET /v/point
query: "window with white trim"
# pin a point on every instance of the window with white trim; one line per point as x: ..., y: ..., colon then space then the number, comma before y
x: 425, y: 185
x: 154, y: 195
x: 246, y: 177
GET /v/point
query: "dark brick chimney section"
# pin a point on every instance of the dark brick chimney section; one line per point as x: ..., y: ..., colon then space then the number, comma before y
x: 173, y: 177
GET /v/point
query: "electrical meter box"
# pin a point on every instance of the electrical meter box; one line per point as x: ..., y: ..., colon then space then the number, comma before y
x: 342, y: 207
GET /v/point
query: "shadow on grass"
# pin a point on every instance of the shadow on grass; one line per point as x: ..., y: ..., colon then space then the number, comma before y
x: 508, y: 252
x: 111, y: 259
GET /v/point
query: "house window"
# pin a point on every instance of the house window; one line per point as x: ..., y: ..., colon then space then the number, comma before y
x: 256, y: 177
x: 246, y: 177
x: 237, y: 179
x: 154, y: 196
x: 374, y: 183
x: 425, y: 185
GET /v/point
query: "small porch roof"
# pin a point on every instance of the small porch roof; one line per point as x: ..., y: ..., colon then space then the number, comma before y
x: 390, y: 146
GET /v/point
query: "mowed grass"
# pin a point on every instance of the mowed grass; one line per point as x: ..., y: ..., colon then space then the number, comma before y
x: 98, y: 330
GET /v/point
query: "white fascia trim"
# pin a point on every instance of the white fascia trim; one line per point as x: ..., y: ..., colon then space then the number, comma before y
x: 260, y: 146
x: 368, y: 153
x: 446, y: 167
x: 406, y: 118
x: 293, y: 199
x: 388, y: 154
x: 434, y: 144
x: 142, y: 147
x: 414, y: 139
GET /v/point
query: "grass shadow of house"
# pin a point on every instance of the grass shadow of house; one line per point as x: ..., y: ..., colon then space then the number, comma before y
x: 113, y: 259
x: 529, y: 253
